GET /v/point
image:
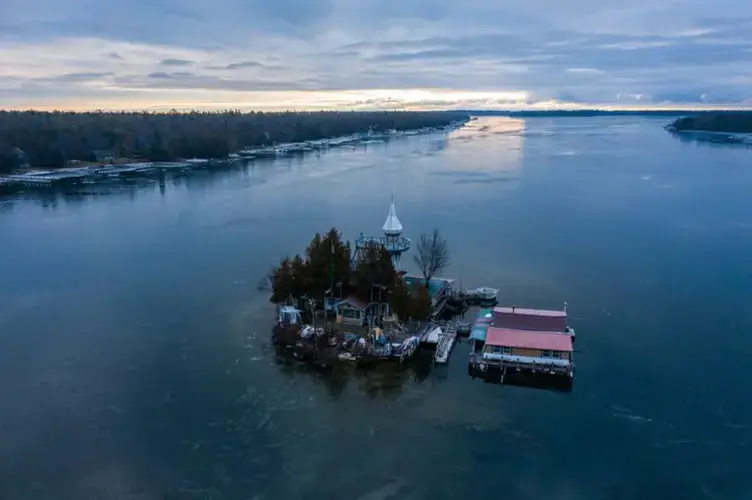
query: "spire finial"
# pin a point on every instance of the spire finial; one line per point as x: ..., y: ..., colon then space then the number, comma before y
x: 392, y: 226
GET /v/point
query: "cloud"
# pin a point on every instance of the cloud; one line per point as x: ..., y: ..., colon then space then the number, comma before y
x: 594, y: 51
x: 176, y: 62
x: 244, y: 64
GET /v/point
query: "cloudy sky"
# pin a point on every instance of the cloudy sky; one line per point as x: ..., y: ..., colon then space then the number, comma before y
x: 273, y: 54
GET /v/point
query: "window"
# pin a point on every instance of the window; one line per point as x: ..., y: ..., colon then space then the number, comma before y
x: 557, y: 355
x: 348, y: 312
x: 547, y: 354
x: 507, y: 350
x: 496, y: 349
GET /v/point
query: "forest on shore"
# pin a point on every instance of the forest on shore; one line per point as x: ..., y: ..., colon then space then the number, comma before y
x: 53, y: 139
x: 739, y: 122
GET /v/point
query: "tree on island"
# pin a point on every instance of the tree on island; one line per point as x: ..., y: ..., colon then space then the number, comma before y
x: 326, y: 265
x: 375, y: 270
x: 432, y: 256
x: 325, y: 270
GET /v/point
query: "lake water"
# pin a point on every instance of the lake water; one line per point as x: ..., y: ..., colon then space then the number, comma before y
x: 135, y: 360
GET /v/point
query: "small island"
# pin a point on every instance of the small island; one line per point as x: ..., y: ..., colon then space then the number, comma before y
x: 350, y: 302
x: 343, y: 303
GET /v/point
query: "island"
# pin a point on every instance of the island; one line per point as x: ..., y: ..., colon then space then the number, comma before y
x: 725, y: 127
x: 52, y: 140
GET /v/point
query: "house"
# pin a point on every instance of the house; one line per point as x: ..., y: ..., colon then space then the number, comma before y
x: 539, y: 320
x: 351, y: 311
x: 104, y: 155
x: 288, y: 315
x: 528, y: 349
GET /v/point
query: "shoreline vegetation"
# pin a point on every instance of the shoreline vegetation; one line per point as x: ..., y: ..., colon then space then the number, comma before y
x: 736, y: 122
x: 55, y: 140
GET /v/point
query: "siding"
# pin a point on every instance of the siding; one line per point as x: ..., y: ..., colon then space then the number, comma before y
x: 533, y: 353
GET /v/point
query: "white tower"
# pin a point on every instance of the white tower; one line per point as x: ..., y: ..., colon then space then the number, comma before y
x: 393, y: 240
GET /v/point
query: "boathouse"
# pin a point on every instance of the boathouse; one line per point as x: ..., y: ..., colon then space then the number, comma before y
x: 351, y: 311
x: 528, y: 349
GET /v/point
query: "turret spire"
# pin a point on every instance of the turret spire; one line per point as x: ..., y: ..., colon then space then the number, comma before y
x: 392, y: 225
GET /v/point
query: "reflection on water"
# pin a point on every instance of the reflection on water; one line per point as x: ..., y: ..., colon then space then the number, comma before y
x: 135, y: 358
x: 500, y: 139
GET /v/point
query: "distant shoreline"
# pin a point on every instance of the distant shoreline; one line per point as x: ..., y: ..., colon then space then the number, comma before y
x: 57, y: 140
x: 122, y: 168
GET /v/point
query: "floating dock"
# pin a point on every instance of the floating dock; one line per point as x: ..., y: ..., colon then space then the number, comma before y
x: 446, y: 343
x: 517, y: 340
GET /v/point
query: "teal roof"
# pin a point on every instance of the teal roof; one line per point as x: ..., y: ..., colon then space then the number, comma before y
x: 485, y: 313
x: 434, y: 284
x: 479, y: 332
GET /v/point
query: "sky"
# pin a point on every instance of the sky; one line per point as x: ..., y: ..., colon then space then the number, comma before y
x: 374, y: 54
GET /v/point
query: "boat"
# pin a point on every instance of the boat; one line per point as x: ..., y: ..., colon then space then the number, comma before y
x: 482, y: 293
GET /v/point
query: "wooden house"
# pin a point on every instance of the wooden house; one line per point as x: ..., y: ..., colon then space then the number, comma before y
x: 351, y: 311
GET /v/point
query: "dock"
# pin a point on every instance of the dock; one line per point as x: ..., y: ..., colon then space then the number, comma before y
x: 446, y: 343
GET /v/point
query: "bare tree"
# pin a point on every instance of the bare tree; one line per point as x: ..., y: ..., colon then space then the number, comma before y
x: 433, y: 254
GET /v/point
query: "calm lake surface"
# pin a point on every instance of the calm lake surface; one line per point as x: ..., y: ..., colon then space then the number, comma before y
x: 135, y: 359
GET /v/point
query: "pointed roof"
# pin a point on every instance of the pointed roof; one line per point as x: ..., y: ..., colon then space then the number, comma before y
x: 392, y: 225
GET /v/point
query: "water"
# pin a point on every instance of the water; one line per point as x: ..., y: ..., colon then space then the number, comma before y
x: 134, y: 348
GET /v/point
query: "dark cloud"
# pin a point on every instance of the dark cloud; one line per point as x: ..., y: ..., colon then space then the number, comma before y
x: 81, y: 77
x: 176, y: 62
x: 582, y: 50
x: 192, y: 81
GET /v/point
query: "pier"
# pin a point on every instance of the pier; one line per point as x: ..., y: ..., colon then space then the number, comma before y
x: 446, y: 343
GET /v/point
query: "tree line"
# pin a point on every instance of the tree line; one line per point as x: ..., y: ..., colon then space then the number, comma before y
x: 325, y: 270
x: 52, y: 139
x: 717, y: 121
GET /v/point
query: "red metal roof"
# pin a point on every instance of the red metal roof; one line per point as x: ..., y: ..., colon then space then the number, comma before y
x: 540, y: 320
x: 547, y: 341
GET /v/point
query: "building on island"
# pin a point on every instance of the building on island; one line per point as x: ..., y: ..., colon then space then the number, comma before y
x: 392, y: 240
x: 351, y: 311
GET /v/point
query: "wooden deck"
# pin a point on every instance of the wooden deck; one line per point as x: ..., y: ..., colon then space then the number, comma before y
x: 483, y: 365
